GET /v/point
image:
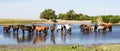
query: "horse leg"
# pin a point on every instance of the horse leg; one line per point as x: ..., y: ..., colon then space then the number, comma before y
x: 110, y: 29
x: 57, y: 30
x: 98, y: 30
x: 104, y: 30
x: 7, y: 30
x: 29, y: 31
x: 13, y: 30
x: 23, y: 31
x: 17, y: 30
x: 36, y: 31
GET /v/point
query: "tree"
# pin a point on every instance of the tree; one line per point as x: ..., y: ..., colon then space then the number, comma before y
x: 48, y: 14
x: 62, y: 16
x: 70, y: 15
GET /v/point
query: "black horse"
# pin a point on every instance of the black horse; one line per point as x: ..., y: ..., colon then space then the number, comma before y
x: 15, y: 28
x: 6, y: 28
x: 26, y: 28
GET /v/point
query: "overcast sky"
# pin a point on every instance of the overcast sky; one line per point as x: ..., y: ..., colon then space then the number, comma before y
x: 31, y: 9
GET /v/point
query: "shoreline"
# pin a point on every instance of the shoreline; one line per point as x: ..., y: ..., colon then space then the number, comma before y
x: 50, y: 22
x: 23, y: 46
x: 22, y: 22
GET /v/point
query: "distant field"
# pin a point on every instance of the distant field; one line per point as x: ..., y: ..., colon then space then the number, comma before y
x: 69, y: 48
x: 19, y: 21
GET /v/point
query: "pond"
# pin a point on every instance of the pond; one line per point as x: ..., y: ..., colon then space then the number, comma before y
x: 76, y: 37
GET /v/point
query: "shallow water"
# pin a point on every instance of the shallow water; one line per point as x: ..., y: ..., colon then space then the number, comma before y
x: 76, y: 37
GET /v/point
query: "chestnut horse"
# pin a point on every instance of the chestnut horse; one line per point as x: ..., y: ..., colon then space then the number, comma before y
x: 52, y: 28
x: 107, y: 26
x: 41, y: 28
x: 85, y: 27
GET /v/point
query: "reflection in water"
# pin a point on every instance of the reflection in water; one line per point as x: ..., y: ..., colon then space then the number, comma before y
x: 40, y: 38
x: 7, y: 34
x: 53, y: 38
x: 24, y: 38
x: 65, y: 36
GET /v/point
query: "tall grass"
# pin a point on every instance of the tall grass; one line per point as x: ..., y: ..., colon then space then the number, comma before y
x: 19, y: 21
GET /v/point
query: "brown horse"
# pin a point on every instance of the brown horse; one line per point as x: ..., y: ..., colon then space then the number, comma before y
x: 89, y: 28
x: 6, y: 28
x: 41, y: 28
x: 85, y: 27
x: 107, y: 26
x: 15, y: 28
x: 52, y: 28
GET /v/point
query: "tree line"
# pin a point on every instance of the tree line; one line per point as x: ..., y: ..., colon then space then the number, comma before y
x: 49, y: 14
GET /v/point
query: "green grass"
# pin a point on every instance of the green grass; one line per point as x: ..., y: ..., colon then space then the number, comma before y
x: 19, y: 21
x: 69, y: 48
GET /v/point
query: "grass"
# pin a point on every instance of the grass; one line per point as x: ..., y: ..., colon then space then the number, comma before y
x: 69, y: 48
x: 19, y: 21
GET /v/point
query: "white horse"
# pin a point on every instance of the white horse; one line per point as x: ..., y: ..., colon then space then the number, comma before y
x: 68, y: 27
x: 100, y: 28
x: 59, y: 27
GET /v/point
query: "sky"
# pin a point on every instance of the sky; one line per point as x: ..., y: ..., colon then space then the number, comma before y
x: 31, y: 9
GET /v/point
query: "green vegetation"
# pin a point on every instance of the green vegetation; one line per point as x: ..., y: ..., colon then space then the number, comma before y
x: 69, y: 48
x: 48, y: 14
x: 71, y: 15
x: 111, y: 18
x: 18, y: 21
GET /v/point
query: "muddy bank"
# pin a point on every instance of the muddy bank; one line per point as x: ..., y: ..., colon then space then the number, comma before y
x: 23, y: 46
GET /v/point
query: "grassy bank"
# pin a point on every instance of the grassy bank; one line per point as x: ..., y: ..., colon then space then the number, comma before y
x: 19, y: 21
x: 69, y: 48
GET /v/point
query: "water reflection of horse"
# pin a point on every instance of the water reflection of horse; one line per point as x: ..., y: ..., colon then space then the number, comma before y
x: 40, y: 38
x: 65, y: 36
x: 24, y: 38
x: 53, y: 38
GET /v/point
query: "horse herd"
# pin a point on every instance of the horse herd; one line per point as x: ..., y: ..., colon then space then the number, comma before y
x: 62, y: 27
x: 37, y: 28
x: 96, y: 27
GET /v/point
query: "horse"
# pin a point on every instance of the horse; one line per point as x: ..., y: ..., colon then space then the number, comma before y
x: 52, y: 28
x: 81, y: 27
x: 60, y: 27
x: 68, y: 27
x: 101, y: 28
x: 85, y: 27
x: 6, y: 28
x: 26, y: 28
x: 15, y: 28
x: 107, y: 26
x: 95, y: 27
x: 41, y: 28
